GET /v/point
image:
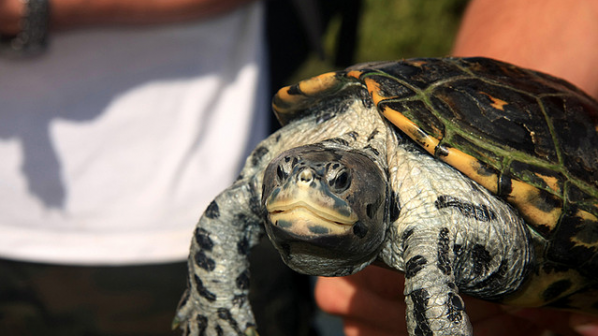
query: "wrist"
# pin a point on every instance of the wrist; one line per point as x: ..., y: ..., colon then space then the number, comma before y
x: 32, y: 20
x: 11, y: 12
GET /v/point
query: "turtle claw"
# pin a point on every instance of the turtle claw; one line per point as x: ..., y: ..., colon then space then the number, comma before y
x: 175, y: 323
x: 251, y: 331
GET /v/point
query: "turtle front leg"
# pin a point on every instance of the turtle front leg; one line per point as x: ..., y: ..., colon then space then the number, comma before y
x: 216, y: 301
x: 434, y: 306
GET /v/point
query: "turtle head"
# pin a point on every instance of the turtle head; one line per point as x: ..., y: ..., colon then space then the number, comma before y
x: 325, y: 208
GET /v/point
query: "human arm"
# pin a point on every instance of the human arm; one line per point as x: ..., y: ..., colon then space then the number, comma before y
x: 554, y: 36
x: 371, y: 303
x: 71, y: 14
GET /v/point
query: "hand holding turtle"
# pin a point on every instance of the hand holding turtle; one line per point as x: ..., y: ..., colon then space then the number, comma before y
x: 371, y: 303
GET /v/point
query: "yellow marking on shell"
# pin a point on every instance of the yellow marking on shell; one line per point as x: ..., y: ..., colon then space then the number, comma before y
x: 408, y: 127
x: 586, y: 216
x: 308, y: 87
x: 525, y: 196
x: 497, y: 103
x: 355, y: 73
x: 289, y: 99
x: 551, y: 181
x: 374, y: 89
x: 531, y: 293
x: 471, y: 167
x: 418, y: 63
x: 318, y: 84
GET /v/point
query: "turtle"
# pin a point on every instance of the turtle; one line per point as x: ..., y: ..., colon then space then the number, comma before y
x: 469, y: 175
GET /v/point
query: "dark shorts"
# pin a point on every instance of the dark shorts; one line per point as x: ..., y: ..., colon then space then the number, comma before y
x: 41, y: 299
x: 53, y: 300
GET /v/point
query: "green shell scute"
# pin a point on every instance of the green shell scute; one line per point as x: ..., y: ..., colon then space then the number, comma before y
x: 499, y: 113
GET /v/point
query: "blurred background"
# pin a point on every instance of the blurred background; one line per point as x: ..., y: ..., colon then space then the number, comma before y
x: 377, y: 30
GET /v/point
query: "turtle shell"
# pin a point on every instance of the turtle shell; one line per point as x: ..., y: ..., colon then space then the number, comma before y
x: 526, y: 136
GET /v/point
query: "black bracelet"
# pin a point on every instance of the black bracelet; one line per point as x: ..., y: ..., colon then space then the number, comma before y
x: 33, y: 38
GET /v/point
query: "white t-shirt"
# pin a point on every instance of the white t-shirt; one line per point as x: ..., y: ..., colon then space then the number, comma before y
x: 113, y: 143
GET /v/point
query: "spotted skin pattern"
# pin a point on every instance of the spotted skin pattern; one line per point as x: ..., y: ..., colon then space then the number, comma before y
x: 370, y: 167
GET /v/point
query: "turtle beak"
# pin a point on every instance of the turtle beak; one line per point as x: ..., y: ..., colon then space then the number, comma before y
x: 304, y: 205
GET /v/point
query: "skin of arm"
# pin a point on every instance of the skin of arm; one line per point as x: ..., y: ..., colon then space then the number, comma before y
x: 71, y: 14
x: 552, y: 36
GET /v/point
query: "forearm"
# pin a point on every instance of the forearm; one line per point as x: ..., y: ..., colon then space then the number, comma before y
x: 69, y: 14
x: 553, y: 36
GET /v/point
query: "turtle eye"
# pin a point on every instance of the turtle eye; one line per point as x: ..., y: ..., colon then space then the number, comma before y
x: 340, y: 178
x: 342, y: 181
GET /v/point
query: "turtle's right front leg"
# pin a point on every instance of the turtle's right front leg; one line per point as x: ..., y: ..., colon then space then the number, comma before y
x: 216, y: 301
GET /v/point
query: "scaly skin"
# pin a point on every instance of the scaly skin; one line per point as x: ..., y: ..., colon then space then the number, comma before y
x: 448, y: 234
x: 451, y: 236
x: 218, y: 297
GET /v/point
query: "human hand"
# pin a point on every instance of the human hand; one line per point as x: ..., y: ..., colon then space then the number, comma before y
x: 371, y: 303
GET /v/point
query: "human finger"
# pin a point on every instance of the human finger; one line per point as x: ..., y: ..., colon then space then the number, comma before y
x: 371, y: 299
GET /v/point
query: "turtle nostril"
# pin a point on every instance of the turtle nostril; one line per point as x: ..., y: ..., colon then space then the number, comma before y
x: 306, y: 176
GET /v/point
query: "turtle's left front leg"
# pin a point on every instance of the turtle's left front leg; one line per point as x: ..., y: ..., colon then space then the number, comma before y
x: 451, y: 235
x: 434, y: 306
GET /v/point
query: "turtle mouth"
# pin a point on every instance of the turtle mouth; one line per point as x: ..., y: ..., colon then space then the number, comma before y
x: 305, y: 218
